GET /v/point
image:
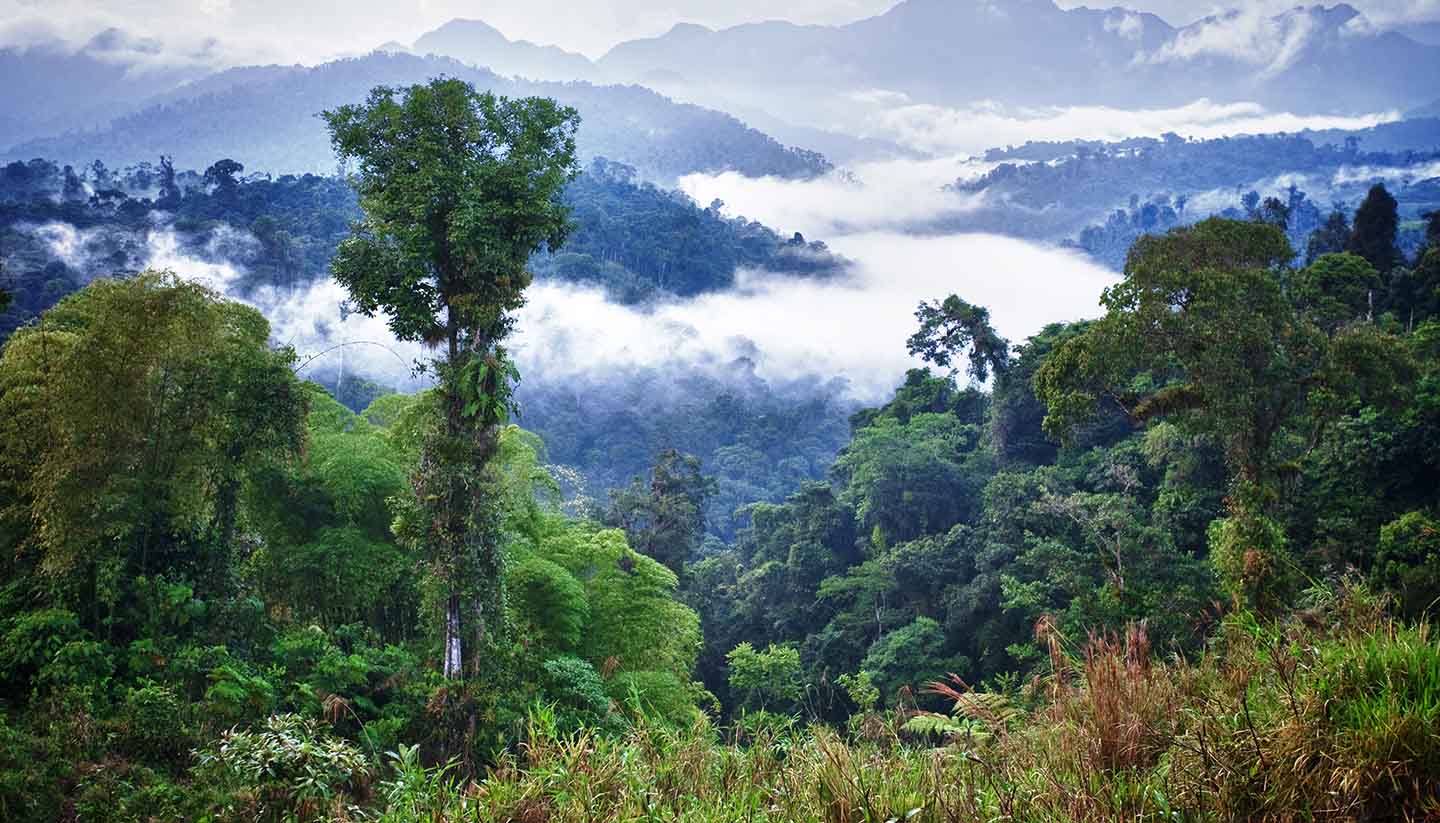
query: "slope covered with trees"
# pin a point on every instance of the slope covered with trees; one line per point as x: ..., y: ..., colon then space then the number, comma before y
x: 60, y: 226
x: 1102, y: 197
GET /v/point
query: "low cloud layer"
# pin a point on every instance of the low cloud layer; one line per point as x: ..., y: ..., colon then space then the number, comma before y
x: 793, y: 328
x: 945, y: 130
x: 781, y: 328
x: 888, y: 195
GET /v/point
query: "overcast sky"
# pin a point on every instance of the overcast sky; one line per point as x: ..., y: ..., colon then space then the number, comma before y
x: 312, y: 30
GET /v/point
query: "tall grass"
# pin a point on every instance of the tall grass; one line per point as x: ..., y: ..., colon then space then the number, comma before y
x: 1333, y: 715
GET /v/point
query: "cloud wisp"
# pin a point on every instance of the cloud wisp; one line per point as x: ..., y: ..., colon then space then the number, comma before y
x: 945, y: 130
x: 872, y: 196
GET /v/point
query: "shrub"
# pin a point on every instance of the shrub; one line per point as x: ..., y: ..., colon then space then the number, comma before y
x: 32, y: 639
x: 767, y: 679
x: 153, y: 724
x: 656, y: 696
x: 1408, y: 562
x: 289, y: 769
x: 577, y: 693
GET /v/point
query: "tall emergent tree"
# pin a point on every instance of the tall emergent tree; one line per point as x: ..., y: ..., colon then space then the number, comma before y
x: 666, y: 518
x: 459, y: 188
x: 948, y: 327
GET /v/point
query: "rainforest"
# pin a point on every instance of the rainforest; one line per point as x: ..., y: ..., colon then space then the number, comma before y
x: 487, y: 431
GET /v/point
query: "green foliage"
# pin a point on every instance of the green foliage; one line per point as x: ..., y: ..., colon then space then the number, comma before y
x: 459, y: 188
x: 226, y: 561
x: 1376, y: 223
x: 665, y: 518
x: 860, y: 688
x: 544, y: 592
x: 1407, y: 561
x: 1283, y: 365
x: 881, y: 465
x: 765, y: 680
x: 195, y: 402
x: 154, y: 724
x: 911, y: 656
x: 657, y: 697
x: 1336, y: 289
x: 289, y: 769
x: 1329, y: 717
x: 640, y: 242
x: 32, y: 640
x: 1251, y: 555
x: 634, y: 622
x: 947, y: 328
x: 577, y: 693
x: 451, y: 219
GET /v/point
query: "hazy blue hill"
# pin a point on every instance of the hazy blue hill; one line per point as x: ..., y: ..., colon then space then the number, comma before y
x: 1415, y: 133
x: 1428, y: 111
x: 1345, y: 65
x: 1425, y: 32
x: 266, y: 118
x: 480, y: 44
x: 50, y: 88
x: 1064, y: 191
x: 1033, y: 52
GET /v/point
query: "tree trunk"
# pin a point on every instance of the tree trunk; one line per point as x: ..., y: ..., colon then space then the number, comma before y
x: 452, y: 518
x: 452, y: 635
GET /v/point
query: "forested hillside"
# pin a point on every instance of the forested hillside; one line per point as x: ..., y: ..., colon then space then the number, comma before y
x: 1104, y: 196
x: 61, y: 226
x: 248, y: 566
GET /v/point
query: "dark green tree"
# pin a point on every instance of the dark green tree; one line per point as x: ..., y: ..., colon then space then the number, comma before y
x: 459, y: 188
x: 665, y: 519
x: 131, y: 416
x: 1332, y: 237
x: 221, y: 175
x: 1376, y: 223
x: 948, y: 327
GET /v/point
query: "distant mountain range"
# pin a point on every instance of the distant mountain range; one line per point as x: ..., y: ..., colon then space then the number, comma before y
x: 1032, y: 52
x: 809, y: 85
x: 265, y: 117
x: 53, y: 87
